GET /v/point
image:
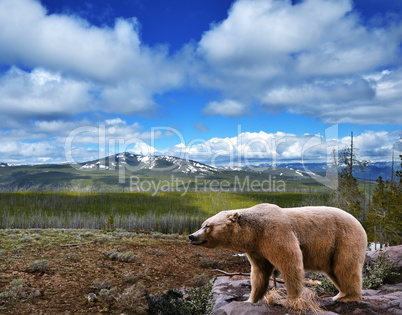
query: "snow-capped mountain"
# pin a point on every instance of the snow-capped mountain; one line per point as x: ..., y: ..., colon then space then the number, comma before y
x: 134, y: 162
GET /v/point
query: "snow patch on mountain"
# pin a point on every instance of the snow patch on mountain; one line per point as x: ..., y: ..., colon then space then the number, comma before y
x: 135, y: 162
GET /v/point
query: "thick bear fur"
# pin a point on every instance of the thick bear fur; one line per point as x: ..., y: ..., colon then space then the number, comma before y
x: 323, y: 239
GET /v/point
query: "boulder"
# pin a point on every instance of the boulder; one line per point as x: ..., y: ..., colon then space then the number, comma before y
x: 230, y: 295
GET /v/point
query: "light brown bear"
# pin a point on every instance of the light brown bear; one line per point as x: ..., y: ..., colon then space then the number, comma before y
x: 323, y: 239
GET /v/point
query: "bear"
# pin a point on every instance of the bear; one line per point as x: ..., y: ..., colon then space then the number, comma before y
x: 318, y: 238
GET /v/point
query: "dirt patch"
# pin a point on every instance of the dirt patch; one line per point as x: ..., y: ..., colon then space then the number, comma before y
x: 162, y: 262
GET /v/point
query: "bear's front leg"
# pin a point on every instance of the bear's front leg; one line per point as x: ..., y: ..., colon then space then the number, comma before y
x: 261, y: 271
x: 289, y: 260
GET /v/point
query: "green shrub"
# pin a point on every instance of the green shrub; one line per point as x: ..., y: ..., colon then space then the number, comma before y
x: 102, y: 239
x: 109, y: 226
x: 131, y: 296
x: 209, y: 263
x: 131, y: 277
x: 170, y: 303
x: 18, y: 291
x: 199, y: 300
x: 40, y: 266
x: 26, y: 239
x: 200, y: 280
x: 99, y: 284
x: 377, y: 274
x: 326, y: 285
x: 128, y: 257
x: 108, y: 295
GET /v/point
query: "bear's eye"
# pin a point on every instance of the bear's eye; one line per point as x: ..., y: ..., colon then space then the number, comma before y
x: 206, y: 227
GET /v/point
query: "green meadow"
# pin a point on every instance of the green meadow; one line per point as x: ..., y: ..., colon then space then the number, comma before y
x: 166, y: 212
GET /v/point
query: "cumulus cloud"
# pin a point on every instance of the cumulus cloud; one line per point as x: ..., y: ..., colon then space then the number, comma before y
x: 311, y: 58
x: 41, y: 94
x: 75, y: 141
x: 93, y: 67
x: 228, y: 108
x: 261, y: 148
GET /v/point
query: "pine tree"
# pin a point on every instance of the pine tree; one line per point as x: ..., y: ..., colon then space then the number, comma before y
x: 385, y: 214
x: 348, y: 195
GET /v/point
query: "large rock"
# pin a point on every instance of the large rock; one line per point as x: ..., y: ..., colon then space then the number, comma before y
x: 230, y: 296
x: 393, y: 254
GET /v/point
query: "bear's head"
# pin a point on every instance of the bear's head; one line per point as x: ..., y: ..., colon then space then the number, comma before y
x: 217, y: 231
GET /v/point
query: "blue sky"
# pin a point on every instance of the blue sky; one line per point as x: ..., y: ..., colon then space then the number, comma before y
x: 259, y: 78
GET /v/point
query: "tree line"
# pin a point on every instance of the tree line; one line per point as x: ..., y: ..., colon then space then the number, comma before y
x: 381, y: 213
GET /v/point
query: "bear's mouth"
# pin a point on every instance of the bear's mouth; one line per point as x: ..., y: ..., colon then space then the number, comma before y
x: 198, y: 242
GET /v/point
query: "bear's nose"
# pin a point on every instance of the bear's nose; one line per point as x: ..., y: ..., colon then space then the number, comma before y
x: 191, y: 237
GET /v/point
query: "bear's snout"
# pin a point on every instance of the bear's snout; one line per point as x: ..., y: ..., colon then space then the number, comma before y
x: 197, y: 238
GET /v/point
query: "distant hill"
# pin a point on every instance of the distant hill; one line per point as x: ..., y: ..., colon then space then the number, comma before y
x: 372, y: 171
x: 115, y: 172
x: 142, y: 162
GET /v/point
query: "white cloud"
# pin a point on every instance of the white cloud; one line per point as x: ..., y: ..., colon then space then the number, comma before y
x: 313, y: 58
x: 41, y: 93
x: 253, y: 148
x: 107, y: 67
x: 226, y: 108
x: 82, y: 140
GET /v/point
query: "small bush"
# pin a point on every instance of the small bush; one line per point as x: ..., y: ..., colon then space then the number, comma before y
x: 156, y: 252
x: 200, y: 280
x: 99, y: 284
x: 40, y: 266
x: 109, y: 226
x: 326, y: 285
x: 377, y: 274
x: 128, y: 257
x: 35, y: 231
x: 199, y: 300
x: 26, y: 239
x: 108, y: 295
x: 131, y: 277
x: 131, y: 297
x: 170, y: 303
x: 18, y: 292
x: 209, y: 263
x: 102, y: 239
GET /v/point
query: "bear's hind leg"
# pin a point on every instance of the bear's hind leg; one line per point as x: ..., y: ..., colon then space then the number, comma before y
x: 261, y: 271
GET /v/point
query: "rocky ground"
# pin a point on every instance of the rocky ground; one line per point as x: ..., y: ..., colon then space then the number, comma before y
x: 117, y: 267
x: 109, y: 273
x: 231, y: 292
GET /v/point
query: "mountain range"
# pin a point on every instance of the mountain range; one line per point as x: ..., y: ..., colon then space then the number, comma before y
x: 114, y: 172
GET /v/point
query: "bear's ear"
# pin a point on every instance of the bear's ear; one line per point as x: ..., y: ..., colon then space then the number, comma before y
x: 233, y: 217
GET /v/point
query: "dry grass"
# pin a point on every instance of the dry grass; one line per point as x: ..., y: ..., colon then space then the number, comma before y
x: 306, y: 303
